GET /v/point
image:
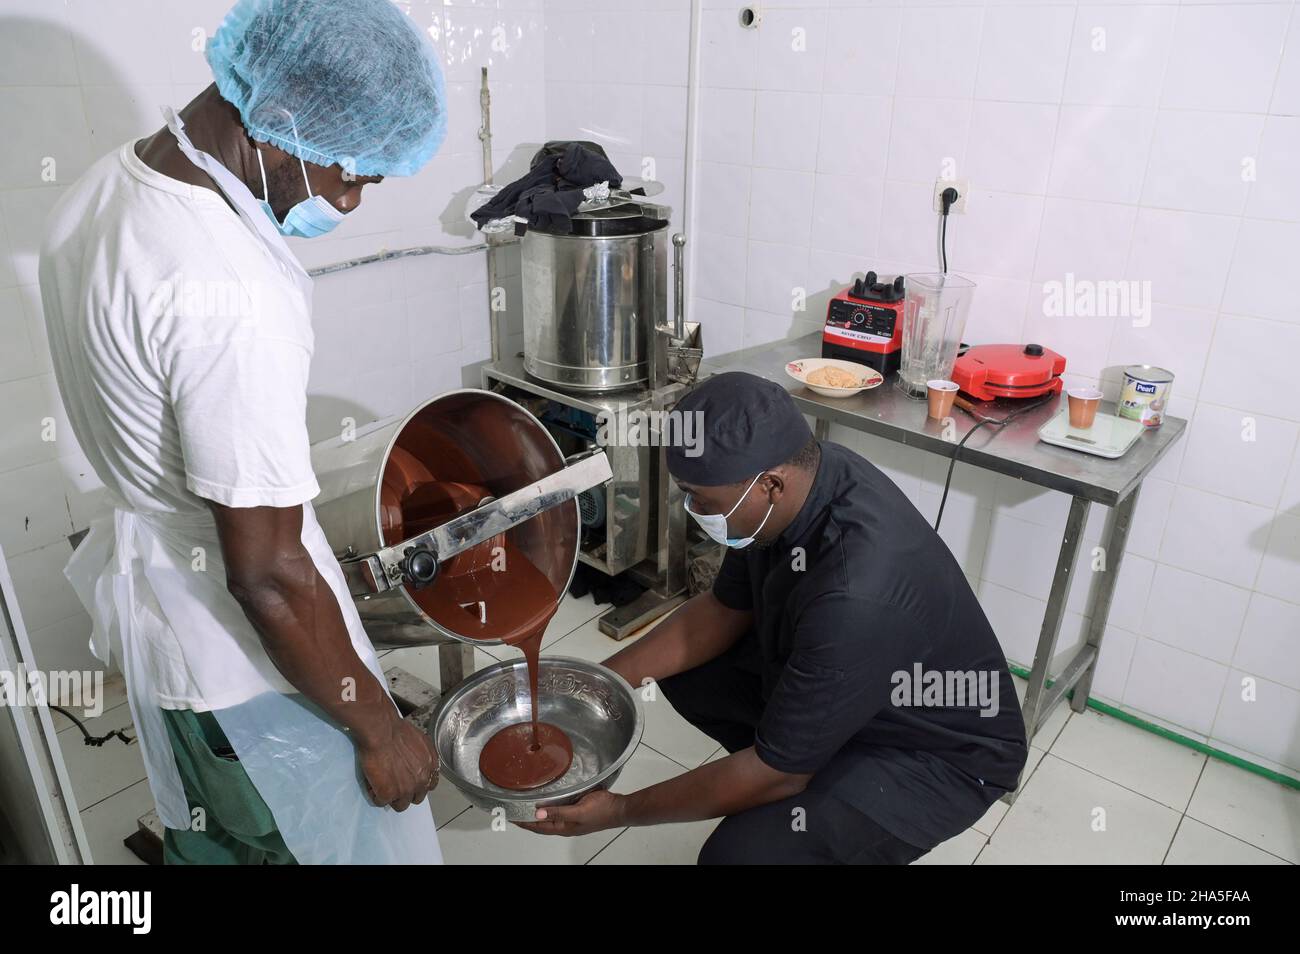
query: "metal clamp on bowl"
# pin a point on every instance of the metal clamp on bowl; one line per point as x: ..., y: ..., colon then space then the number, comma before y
x: 415, y: 561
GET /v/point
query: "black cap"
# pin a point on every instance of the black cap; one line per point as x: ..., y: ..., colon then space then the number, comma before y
x: 747, y: 425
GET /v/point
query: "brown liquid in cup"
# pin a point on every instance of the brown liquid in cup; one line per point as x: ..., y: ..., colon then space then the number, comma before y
x: 517, y: 598
x: 1083, y: 411
x: 940, y: 402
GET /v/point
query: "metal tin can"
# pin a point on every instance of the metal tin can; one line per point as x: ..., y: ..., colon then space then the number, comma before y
x: 1145, y: 394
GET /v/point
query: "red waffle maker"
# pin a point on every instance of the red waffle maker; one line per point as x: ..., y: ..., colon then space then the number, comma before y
x: 986, y: 372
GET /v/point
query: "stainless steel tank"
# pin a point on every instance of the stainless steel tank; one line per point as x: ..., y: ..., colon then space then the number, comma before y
x: 469, y: 445
x: 592, y: 298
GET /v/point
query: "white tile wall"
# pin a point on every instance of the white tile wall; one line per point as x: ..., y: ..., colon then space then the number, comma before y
x: 618, y: 77
x: 1274, y: 196
x: 1261, y: 718
x: 1100, y: 152
x: 1150, y: 141
x: 1118, y: 54
x: 1175, y: 685
x: 1268, y: 636
x: 1225, y: 56
x: 1196, y: 613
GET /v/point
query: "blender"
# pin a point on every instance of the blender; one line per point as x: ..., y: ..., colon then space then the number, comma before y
x: 934, y: 317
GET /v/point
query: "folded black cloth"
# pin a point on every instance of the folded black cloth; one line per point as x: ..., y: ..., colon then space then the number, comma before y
x: 548, y: 209
x: 551, y: 191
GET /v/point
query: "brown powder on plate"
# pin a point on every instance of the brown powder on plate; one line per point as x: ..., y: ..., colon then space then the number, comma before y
x: 829, y: 377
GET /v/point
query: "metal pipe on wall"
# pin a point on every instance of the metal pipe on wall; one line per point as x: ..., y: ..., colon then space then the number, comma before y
x: 690, y: 185
x: 495, y: 332
x: 485, y: 128
x: 679, y: 287
x: 386, y: 255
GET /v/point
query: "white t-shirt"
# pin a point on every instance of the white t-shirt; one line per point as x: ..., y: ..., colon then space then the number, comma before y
x: 182, y: 353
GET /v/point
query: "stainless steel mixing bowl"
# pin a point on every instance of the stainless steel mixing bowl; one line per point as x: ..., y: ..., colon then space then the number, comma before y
x: 594, y: 705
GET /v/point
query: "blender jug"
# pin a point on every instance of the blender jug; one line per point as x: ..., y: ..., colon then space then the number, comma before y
x: 934, y: 317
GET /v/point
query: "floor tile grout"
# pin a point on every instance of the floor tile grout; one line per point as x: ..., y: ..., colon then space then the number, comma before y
x: 682, y: 765
x: 453, y: 818
x: 1127, y: 788
x: 622, y: 831
x: 1164, y: 859
x: 82, y: 810
x: 1238, y: 838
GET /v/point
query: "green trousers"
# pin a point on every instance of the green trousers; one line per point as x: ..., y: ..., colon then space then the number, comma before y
x: 231, y: 825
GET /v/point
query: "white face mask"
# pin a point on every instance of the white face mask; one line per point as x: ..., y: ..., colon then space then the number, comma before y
x: 715, y: 524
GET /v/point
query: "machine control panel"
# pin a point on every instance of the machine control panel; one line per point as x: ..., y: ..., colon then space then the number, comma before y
x: 861, y: 321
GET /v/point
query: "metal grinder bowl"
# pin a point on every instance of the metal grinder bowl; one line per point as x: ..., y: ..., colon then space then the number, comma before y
x: 592, y: 704
x: 472, y: 439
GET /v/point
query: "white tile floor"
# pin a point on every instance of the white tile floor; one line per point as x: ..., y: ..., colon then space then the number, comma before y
x: 1097, y: 791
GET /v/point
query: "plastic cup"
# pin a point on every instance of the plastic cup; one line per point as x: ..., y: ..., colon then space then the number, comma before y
x: 941, y: 394
x: 1083, y: 406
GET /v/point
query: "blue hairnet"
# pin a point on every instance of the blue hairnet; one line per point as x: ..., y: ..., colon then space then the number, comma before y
x: 351, y: 82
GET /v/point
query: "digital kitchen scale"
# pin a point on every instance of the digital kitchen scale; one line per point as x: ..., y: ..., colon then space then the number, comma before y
x: 1109, y: 436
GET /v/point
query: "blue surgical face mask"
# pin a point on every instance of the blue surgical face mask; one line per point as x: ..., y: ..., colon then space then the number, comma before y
x: 715, y: 524
x: 311, y: 217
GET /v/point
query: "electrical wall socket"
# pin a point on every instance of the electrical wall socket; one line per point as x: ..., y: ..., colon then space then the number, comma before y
x: 963, y: 189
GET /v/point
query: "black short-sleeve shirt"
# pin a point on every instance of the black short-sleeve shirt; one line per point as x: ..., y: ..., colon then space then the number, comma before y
x: 880, y: 672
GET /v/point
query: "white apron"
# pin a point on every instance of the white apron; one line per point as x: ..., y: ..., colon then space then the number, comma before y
x: 301, y: 762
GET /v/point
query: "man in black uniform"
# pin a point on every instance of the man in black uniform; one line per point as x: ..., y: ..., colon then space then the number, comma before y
x: 841, y: 657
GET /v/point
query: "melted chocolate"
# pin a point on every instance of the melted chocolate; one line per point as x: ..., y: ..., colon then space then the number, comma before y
x: 526, y: 755
x: 491, y: 591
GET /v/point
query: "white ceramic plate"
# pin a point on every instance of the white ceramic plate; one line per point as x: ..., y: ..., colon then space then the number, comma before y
x: 799, y: 370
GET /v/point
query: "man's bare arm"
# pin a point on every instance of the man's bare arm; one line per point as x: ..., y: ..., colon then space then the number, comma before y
x: 726, y: 786
x: 697, y: 631
x: 272, y: 576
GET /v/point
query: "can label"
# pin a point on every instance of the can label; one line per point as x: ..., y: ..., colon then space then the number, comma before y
x: 1144, y: 399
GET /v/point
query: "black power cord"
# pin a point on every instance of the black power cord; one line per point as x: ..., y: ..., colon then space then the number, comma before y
x: 981, y: 422
x: 95, y: 740
x: 947, y: 197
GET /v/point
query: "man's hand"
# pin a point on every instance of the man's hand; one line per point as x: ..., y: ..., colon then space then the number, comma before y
x: 297, y: 616
x: 400, y: 765
x: 596, y: 811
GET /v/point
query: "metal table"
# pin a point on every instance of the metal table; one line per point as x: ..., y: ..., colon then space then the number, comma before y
x: 1016, y: 451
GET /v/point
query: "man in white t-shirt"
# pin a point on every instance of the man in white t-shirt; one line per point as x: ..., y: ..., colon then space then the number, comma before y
x: 180, y: 327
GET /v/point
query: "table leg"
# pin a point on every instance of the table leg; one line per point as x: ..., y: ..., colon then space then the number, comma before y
x: 1035, y: 712
x: 822, y: 429
x: 1113, y: 544
x: 455, y: 663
